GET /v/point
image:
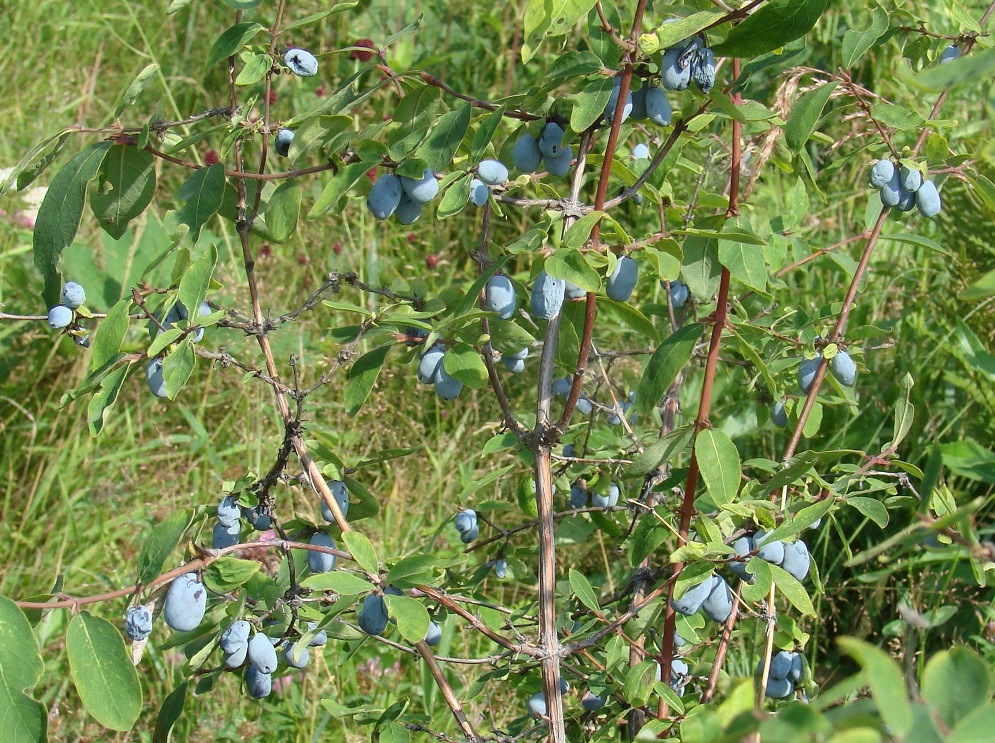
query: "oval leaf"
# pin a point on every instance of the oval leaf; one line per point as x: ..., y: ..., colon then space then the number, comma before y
x: 102, y: 670
x: 718, y: 460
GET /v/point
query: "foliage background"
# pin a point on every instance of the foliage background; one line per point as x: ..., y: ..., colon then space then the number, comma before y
x: 79, y: 507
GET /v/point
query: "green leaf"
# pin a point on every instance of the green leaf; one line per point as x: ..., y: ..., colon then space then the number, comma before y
x: 772, y: 26
x: 573, y: 266
x: 336, y: 188
x: 362, y: 551
x: 792, y: 589
x: 137, y: 86
x: 580, y: 231
x: 978, y: 65
x: 701, y: 269
x: 956, y: 682
x: 896, y: 116
x: 203, y: 192
x: 904, y: 413
x: 339, y: 581
x: 178, y: 5
x: 21, y: 665
x: 639, y: 682
x: 630, y: 317
x: 411, y: 617
x: 439, y: 147
x: 169, y: 714
x: 718, y: 460
x: 362, y: 376
x: 367, y: 506
x: 856, y: 42
x: 485, y: 133
x: 464, y: 363
x: 806, y: 114
x: 983, y: 288
x: 744, y: 260
x: 257, y: 64
x: 104, y: 398
x: 283, y: 210
x: 661, y: 450
x: 160, y: 543
x: 667, y: 34
x: 455, y: 197
x: 664, y: 365
x: 60, y: 213
x: 871, y: 508
x: 178, y: 366
x: 573, y: 65
x: 550, y: 18
x: 124, y: 189
x: 22, y: 175
x: 886, y: 681
x: 801, y: 520
x: 413, y: 570
x: 583, y: 591
x: 647, y: 536
x: 589, y: 104
x: 232, y: 40
x: 241, y: 4
x: 335, y: 9
x: 755, y: 358
x: 102, y: 670
x: 976, y: 727
x: 164, y: 341
x: 197, y: 280
x: 227, y: 573
x: 110, y: 334
x: 758, y: 590
x: 393, y: 732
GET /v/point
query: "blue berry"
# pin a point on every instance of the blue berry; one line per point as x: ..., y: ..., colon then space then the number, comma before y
x: 186, y: 603
x: 385, y: 196
x: 258, y: 683
x: 301, y: 63
x: 59, y: 317
x: 843, y: 368
x: 551, y: 140
x: 283, y: 139
x: 559, y: 165
x: 928, y: 200
x: 226, y: 536
x: 623, y: 279
x: 73, y: 295
x: 228, y: 511
x: 526, y: 157
x: 262, y: 654
x: 479, y: 193
x: 547, y: 296
x: 492, y: 172
x: 882, y: 173
x: 499, y: 296
x: 423, y: 190
x: 138, y: 623
x: 321, y: 562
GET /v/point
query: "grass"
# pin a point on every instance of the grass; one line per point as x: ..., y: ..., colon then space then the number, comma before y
x: 77, y: 509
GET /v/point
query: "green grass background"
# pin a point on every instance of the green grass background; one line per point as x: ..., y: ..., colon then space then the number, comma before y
x: 78, y: 507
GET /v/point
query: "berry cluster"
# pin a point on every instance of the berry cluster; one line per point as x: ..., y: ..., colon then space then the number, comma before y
x: 64, y: 314
x: 529, y: 154
x: 904, y: 187
x: 786, y: 670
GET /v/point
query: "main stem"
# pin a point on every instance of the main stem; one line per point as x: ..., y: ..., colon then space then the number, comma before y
x: 314, y: 475
x: 549, y: 643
